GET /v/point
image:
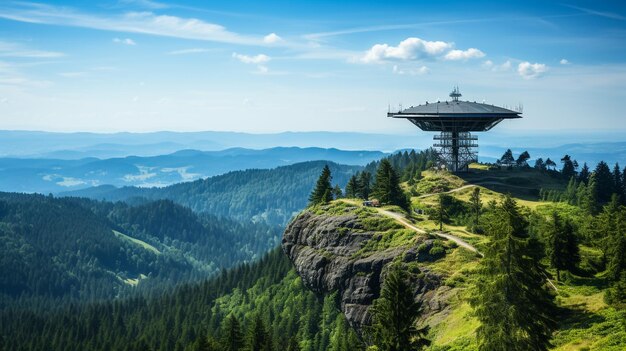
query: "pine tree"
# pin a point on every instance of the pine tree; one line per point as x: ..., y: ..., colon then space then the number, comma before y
x: 539, y: 164
x: 259, y: 336
x: 323, y: 190
x: 353, y: 187
x: 618, y: 182
x: 604, y: 185
x: 337, y: 193
x: 232, y: 336
x: 394, y: 315
x: 614, y: 223
x: 562, y: 245
x: 365, y: 189
x: 522, y: 159
x: 507, y: 158
x: 387, y: 186
x: 589, y: 200
x: 441, y: 215
x: 550, y: 165
x: 476, y: 206
x: 293, y: 345
x: 583, y: 176
x: 568, y: 169
x: 512, y: 302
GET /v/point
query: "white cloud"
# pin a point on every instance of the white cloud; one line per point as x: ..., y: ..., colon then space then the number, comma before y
x: 144, y: 3
x: 415, y: 49
x: 408, y: 50
x: 15, y: 50
x: 470, y: 53
x: 564, y: 62
x: 188, y: 51
x: 529, y: 70
x: 272, y: 38
x: 258, y: 59
x: 488, y: 64
x: 412, y: 72
x: 130, y: 22
x: 126, y: 41
x: 72, y: 74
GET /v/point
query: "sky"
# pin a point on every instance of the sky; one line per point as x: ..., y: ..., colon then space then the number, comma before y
x: 273, y: 66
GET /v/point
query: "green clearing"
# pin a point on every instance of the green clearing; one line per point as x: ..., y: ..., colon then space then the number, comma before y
x: 586, y: 322
x: 143, y: 244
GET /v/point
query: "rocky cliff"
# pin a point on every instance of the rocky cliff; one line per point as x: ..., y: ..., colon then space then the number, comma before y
x: 345, y: 249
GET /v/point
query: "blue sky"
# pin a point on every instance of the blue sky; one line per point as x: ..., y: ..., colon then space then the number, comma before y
x: 300, y: 66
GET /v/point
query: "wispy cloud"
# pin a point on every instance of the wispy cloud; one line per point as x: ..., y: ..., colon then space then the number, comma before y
x: 611, y: 15
x: 189, y: 51
x: 126, y: 41
x: 130, y: 22
x: 529, y: 70
x: 564, y: 62
x: 503, y: 67
x: 148, y: 4
x: 416, y: 49
x: 15, y: 50
x: 257, y: 59
x: 412, y: 72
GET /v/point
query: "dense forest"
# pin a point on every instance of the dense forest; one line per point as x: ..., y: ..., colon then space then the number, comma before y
x: 260, y: 306
x: 77, y: 249
x: 272, y: 196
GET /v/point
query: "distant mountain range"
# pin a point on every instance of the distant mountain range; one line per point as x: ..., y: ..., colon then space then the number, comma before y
x: 56, y: 175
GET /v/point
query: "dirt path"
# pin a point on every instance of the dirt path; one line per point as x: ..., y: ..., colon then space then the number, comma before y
x: 447, y: 192
x: 400, y: 219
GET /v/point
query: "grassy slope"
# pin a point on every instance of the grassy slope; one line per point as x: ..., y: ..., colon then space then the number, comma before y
x: 586, y: 322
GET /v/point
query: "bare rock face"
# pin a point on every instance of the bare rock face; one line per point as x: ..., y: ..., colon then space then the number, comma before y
x: 327, y: 253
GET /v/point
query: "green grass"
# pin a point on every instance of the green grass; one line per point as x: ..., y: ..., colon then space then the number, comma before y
x: 585, y: 322
x: 143, y: 244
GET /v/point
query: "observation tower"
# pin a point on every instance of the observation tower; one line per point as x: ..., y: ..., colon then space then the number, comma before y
x: 455, y: 120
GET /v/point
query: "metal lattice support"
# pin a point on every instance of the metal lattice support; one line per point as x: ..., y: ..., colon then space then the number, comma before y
x: 456, y: 149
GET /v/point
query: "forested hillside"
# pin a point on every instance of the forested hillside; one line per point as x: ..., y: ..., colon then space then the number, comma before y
x: 272, y: 196
x: 68, y: 249
x: 260, y: 306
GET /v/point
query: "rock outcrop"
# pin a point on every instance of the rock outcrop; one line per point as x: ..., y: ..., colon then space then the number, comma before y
x: 330, y: 253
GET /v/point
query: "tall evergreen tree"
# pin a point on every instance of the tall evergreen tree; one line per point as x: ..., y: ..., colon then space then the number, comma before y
x: 259, y: 336
x: 522, y: 159
x: 387, y: 186
x: 394, y: 315
x: 337, y: 193
x: 441, y: 214
x: 507, y: 158
x: 476, y: 205
x: 365, y: 188
x: 583, y: 176
x: 352, y: 187
x: 513, y: 304
x: 604, y: 185
x: 589, y: 200
x: 539, y: 164
x: 568, y: 169
x: 618, y: 182
x: 323, y: 192
x: 562, y: 245
x: 232, y: 335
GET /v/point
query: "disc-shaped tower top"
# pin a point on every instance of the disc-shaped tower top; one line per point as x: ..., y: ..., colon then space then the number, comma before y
x: 455, y: 115
x: 456, y: 120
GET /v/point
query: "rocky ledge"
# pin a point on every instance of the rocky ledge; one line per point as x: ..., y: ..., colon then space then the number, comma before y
x: 346, y: 249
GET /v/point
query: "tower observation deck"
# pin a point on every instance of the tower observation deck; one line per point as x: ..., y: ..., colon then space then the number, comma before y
x: 455, y: 120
